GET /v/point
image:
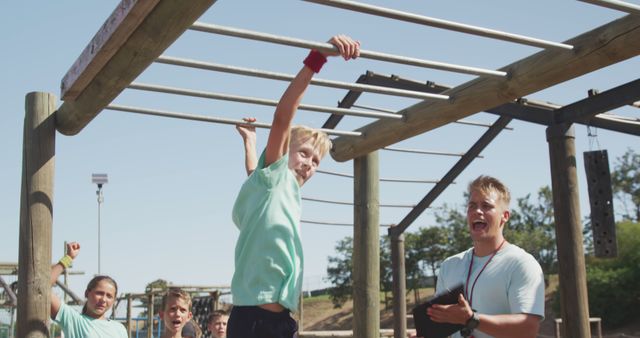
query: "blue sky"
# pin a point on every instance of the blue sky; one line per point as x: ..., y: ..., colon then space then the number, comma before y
x: 172, y: 183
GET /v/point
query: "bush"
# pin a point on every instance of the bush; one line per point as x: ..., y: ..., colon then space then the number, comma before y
x: 614, y: 284
x: 611, y: 295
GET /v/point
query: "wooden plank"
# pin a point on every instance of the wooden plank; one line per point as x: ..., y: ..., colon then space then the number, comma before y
x: 110, y: 37
x: 157, y: 31
x: 611, y: 43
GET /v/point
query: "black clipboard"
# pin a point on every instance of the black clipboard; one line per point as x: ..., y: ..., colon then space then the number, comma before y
x: 427, y: 328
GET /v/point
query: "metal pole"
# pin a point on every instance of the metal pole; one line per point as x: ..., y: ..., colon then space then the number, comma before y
x: 439, y: 23
x: 617, y: 5
x: 202, y: 118
x: 255, y: 100
x: 246, y: 34
x: 100, y: 200
x: 398, y: 180
x: 357, y: 87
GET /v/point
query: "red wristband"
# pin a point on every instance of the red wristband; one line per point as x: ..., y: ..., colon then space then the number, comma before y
x: 315, y: 60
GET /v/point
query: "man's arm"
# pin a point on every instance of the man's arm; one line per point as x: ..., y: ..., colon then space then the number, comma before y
x: 57, y: 269
x: 503, y: 325
x: 510, y: 325
x: 248, y: 133
x: 278, y: 141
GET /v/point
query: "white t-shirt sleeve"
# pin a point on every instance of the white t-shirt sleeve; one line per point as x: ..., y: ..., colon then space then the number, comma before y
x: 526, y: 290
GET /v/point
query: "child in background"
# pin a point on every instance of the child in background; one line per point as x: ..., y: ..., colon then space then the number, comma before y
x: 217, y: 324
x: 191, y: 330
x: 101, y: 292
x: 175, y: 313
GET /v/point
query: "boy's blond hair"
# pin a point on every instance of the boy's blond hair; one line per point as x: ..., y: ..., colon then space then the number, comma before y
x: 320, y: 140
x: 487, y: 184
x: 176, y: 293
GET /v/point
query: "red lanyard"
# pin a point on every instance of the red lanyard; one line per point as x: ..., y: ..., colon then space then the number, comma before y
x: 466, y: 287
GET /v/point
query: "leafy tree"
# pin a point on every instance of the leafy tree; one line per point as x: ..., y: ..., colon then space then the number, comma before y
x: 413, y: 257
x: 434, y: 247
x: 339, y: 272
x: 459, y: 238
x: 386, y: 272
x: 625, y: 180
x: 532, y: 228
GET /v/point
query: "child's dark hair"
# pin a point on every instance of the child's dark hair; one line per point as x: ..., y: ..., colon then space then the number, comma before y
x: 215, y: 314
x: 93, y: 283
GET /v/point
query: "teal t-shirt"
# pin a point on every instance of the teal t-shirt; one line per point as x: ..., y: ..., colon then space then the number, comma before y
x: 77, y: 325
x: 268, y: 254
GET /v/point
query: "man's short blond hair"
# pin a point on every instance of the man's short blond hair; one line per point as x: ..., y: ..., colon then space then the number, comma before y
x: 488, y: 184
x: 321, y: 141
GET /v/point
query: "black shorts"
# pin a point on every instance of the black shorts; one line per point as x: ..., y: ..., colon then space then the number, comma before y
x: 256, y: 322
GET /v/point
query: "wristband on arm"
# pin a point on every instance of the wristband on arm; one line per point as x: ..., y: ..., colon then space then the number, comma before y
x: 315, y: 60
x: 66, y: 261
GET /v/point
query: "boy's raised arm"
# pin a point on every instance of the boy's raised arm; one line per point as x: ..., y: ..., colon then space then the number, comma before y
x: 278, y: 141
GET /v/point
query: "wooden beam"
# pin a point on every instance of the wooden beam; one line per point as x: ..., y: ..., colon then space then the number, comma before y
x: 525, y: 110
x: 611, y: 99
x: 157, y: 31
x: 611, y: 43
x: 110, y: 37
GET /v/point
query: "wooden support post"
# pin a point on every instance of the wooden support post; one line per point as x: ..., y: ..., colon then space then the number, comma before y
x: 569, y: 241
x: 301, y: 312
x: 129, y: 308
x: 366, y: 248
x: 150, y: 316
x: 36, y: 214
x: 399, y: 284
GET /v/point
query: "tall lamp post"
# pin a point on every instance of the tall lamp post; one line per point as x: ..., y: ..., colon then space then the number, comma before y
x: 99, y: 179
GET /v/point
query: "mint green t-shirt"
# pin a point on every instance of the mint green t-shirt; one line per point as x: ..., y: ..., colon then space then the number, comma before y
x: 77, y: 325
x: 268, y: 254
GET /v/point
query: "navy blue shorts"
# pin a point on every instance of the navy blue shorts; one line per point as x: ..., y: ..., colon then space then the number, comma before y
x: 256, y: 322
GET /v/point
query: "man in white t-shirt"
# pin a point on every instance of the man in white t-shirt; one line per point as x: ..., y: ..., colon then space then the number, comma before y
x: 503, y: 285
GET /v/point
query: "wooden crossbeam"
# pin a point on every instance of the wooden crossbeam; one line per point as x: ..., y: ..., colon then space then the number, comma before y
x: 110, y: 37
x: 611, y: 43
x: 161, y: 26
